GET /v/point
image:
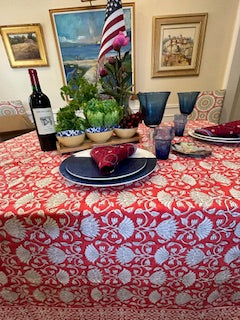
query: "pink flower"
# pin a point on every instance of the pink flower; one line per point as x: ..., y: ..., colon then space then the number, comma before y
x: 103, y: 72
x: 120, y: 41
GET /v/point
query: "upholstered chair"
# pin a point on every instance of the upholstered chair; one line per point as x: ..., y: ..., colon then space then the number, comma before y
x: 208, y: 106
x: 12, y: 107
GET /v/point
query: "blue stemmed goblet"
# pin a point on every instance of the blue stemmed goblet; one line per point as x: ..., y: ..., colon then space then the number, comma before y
x: 152, y: 105
x: 187, y: 101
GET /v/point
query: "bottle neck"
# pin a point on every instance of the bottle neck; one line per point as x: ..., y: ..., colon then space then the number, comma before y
x: 34, y: 80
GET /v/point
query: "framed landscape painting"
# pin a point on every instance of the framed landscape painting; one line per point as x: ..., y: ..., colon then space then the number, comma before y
x: 24, y: 45
x: 177, y: 44
x: 78, y: 34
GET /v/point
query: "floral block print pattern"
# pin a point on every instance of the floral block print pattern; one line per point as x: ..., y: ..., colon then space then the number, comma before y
x: 8, y: 108
x: 208, y: 106
x: 164, y: 247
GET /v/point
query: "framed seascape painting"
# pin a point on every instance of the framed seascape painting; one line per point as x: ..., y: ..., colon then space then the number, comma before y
x: 24, y: 45
x: 177, y: 44
x: 78, y: 34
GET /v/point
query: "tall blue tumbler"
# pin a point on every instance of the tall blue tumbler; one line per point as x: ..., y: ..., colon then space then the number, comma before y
x: 187, y: 101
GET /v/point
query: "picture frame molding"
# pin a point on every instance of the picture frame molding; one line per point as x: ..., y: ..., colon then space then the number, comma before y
x: 199, y: 20
x: 35, y: 28
x: 89, y: 8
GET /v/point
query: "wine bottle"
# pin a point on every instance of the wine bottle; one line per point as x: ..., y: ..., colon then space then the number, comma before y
x: 42, y: 114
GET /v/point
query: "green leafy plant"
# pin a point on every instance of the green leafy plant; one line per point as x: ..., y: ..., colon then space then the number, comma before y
x: 102, y: 113
x: 80, y: 91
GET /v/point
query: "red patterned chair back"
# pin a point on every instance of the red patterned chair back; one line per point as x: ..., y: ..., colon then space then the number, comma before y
x: 208, y: 106
x: 8, y: 108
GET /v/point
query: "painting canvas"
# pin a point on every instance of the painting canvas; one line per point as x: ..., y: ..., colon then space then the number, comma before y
x: 78, y: 34
x: 24, y: 45
x: 178, y: 44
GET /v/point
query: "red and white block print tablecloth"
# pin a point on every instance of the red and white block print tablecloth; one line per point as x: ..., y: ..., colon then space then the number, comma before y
x: 165, y: 247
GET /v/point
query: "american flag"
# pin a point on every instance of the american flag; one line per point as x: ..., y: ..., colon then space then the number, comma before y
x: 113, y: 23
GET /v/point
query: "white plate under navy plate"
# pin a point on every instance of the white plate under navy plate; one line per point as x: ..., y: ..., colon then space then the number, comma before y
x: 199, y: 136
x: 145, y: 160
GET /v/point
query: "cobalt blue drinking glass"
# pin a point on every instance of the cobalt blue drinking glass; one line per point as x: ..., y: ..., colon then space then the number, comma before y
x: 187, y: 101
x: 152, y: 105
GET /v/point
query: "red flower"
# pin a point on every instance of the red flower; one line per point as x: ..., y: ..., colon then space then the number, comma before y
x: 112, y: 60
x: 120, y: 41
x: 103, y: 72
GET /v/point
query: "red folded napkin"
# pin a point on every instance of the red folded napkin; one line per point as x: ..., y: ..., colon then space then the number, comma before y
x: 228, y: 129
x: 108, y: 157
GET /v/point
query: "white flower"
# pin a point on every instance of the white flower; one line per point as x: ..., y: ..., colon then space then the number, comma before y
x: 182, y: 298
x: 9, y: 295
x: 165, y: 198
x: 95, y: 275
x: 161, y: 255
x: 220, y: 178
x: 39, y: 295
x: 232, y: 254
x: 15, y: 228
x: 188, y: 180
x: 66, y: 296
x: 237, y: 230
x: 96, y: 294
x: 126, y: 228
x: 235, y: 193
x: 167, y: 229
x: 204, y: 228
x: 23, y: 254
x: 51, y: 228
x: 124, y: 294
x: 189, y: 279
x: 222, y: 276
x: 126, y: 198
x: 44, y: 182
x: 178, y: 166
x: 201, y: 198
x: 91, y: 253
x: 56, y: 200
x: 124, y: 255
x: 159, y: 180
x: 154, y: 296
x: 63, y: 277
x: 23, y: 200
x: 158, y: 277
x: 194, y: 256
x: 213, y: 296
x: 125, y: 276
x: 89, y: 227
x: 3, y: 278
x: 56, y: 255
x: 33, y: 276
x: 92, y: 198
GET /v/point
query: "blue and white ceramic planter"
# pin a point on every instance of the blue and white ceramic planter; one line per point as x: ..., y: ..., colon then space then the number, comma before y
x: 98, y: 129
x: 69, y: 133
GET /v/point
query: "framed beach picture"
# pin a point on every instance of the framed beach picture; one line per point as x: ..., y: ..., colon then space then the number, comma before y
x: 24, y: 45
x: 177, y: 44
x: 78, y: 34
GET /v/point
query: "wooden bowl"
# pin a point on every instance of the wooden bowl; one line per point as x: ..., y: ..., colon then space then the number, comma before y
x: 70, y: 141
x: 99, y: 137
x: 125, y: 133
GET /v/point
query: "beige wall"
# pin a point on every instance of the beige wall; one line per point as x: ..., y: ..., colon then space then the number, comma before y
x: 15, y: 83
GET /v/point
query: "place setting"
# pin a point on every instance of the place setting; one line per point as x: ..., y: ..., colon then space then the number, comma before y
x: 112, y: 165
x: 228, y: 132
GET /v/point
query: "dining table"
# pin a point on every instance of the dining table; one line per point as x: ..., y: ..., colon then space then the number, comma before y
x: 163, y: 247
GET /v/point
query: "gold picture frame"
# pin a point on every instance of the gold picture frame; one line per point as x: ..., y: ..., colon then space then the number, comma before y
x: 24, y: 45
x: 177, y: 44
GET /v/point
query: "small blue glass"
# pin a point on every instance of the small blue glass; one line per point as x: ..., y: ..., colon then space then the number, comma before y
x: 152, y: 106
x: 187, y: 101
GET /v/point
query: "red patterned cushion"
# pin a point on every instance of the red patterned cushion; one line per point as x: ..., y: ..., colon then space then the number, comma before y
x: 108, y: 157
x: 208, y: 106
x: 8, y: 108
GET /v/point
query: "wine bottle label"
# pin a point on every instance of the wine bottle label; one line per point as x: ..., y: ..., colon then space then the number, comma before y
x: 44, y: 120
